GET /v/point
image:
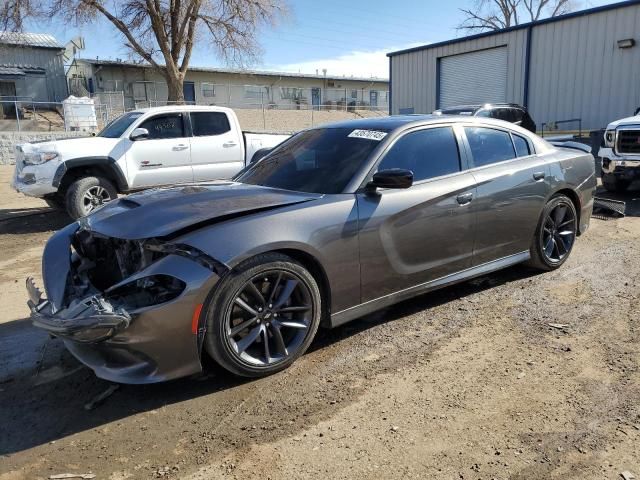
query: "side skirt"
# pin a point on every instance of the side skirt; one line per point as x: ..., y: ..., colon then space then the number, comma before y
x: 358, y: 311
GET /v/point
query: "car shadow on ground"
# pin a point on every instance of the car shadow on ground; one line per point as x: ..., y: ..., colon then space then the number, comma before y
x: 22, y: 221
x: 44, y: 390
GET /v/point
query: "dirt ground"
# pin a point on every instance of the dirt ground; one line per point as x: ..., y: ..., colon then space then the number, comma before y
x: 470, y: 382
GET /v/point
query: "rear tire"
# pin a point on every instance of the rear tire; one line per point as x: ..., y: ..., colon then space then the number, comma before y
x: 88, y: 193
x: 262, y: 316
x: 555, y: 235
x: 611, y: 183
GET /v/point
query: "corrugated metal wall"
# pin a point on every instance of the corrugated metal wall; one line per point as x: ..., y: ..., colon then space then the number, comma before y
x: 576, y: 69
x: 54, y: 89
x: 414, y: 74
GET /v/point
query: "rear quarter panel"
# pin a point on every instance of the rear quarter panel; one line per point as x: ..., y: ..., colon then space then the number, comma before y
x: 574, y: 170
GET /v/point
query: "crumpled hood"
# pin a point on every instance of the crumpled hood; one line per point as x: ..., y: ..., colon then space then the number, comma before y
x: 163, y: 211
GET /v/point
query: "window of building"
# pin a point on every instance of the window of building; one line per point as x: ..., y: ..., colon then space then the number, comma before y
x: 255, y: 92
x: 208, y: 90
x: 288, y: 93
x: 427, y: 153
x: 354, y: 94
x: 489, y: 145
x: 209, y: 123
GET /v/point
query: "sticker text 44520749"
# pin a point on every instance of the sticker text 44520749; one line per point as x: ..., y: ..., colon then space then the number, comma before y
x: 368, y: 134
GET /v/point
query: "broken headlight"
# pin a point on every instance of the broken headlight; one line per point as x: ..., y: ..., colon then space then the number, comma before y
x: 146, y: 292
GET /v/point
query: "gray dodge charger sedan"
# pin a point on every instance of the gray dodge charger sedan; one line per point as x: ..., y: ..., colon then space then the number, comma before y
x: 334, y: 223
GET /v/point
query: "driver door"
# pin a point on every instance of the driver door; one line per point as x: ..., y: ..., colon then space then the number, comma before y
x: 164, y: 157
x: 423, y: 233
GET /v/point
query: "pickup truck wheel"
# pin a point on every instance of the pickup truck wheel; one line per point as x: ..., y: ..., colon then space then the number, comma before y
x: 611, y: 183
x: 263, y: 315
x: 555, y: 235
x: 88, y: 193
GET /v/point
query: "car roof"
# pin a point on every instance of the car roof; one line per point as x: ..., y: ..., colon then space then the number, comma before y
x: 484, y: 105
x: 385, y: 123
x: 401, y: 122
x: 183, y: 108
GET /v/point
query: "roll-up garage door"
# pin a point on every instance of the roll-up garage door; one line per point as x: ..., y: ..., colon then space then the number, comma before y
x: 474, y: 78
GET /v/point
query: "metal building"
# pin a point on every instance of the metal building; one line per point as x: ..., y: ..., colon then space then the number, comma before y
x: 584, y: 65
x: 31, y: 67
x: 141, y: 85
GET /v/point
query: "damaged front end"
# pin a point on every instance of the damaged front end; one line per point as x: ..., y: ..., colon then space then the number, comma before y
x: 124, y: 307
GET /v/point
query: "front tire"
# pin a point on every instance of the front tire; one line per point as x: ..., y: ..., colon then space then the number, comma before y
x: 611, y: 183
x: 555, y: 235
x: 88, y: 193
x: 263, y: 316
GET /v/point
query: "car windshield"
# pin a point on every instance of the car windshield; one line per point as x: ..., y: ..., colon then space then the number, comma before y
x: 321, y: 160
x: 116, y: 128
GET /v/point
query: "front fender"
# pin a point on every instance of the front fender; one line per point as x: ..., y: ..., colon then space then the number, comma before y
x: 325, y: 229
x: 107, y: 163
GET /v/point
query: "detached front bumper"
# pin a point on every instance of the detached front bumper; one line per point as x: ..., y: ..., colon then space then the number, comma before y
x: 120, y: 342
x: 88, y: 321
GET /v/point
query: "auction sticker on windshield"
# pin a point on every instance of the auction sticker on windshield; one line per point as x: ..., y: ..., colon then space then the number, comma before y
x: 368, y: 134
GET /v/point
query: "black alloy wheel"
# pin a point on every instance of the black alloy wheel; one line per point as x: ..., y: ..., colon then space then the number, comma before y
x: 269, y: 317
x: 555, y: 235
x: 264, y: 316
x: 558, y: 233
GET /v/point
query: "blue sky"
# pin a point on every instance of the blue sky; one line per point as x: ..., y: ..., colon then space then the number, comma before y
x: 345, y: 37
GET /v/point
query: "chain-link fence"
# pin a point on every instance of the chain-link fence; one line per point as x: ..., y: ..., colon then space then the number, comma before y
x: 30, y: 116
x: 259, y: 108
x: 152, y: 94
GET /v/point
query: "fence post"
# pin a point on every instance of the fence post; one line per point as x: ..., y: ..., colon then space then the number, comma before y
x: 15, y: 103
x: 580, y: 127
x: 312, y: 108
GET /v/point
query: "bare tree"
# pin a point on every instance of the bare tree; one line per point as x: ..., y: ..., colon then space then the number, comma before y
x: 487, y: 15
x: 163, y: 32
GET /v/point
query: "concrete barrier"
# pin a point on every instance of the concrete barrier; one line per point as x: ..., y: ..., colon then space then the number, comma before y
x: 9, y: 140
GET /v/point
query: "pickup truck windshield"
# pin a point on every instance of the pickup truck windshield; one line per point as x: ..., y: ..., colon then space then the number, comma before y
x: 116, y: 128
x: 322, y: 160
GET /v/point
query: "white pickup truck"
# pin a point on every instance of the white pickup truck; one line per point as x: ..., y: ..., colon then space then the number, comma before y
x: 620, y: 154
x: 141, y: 149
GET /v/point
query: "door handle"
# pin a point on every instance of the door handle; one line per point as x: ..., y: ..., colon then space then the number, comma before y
x: 537, y: 176
x: 229, y: 144
x: 465, y: 198
x: 180, y: 146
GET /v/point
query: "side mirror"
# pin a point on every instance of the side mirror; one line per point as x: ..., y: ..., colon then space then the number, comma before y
x: 391, y: 178
x: 139, y: 134
x: 260, y: 154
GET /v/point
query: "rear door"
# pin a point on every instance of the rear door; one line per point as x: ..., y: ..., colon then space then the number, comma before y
x: 216, y: 149
x: 512, y: 186
x: 409, y: 237
x: 163, y: 158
